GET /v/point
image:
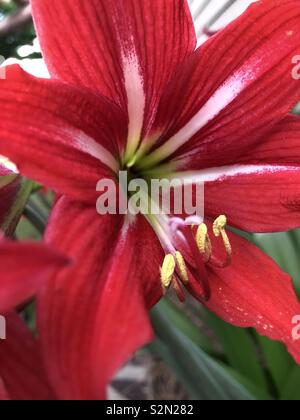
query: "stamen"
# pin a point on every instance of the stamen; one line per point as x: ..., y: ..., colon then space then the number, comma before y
x: 203, y: 242
x: 198, y: 260
x: 182, y: 267
x: 167, y: 271
x: 219, y: 230
x: 177, y: 270
x: 219, y: 225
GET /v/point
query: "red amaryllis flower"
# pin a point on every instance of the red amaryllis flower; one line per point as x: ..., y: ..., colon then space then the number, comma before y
x: 129, y: 91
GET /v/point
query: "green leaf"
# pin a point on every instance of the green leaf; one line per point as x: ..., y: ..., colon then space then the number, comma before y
x: 259, y: 393
x: 27, y: 231
x: 291, y: 389
x: 203, y: 376
x: 239, y: 350
x: 279, y: 362
x: 16, y: 211
x: 37, y: 211
x: 181, y: 321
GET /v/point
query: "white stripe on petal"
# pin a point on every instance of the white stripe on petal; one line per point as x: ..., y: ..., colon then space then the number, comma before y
x: 218, y: 101
x: 253, y: 69
x: 136, y: 99
x: 88, y: 145
x: 223, y: 172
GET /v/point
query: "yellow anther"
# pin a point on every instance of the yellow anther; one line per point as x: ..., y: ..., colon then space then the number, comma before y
x: 201, y: 238
x: 219, y: 230
x: 219, y: 225
x: 182, y: 267
x: 203, y: 241
x: 167, y: 270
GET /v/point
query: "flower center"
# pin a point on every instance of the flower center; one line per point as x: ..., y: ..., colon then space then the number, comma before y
x: 187, y: 243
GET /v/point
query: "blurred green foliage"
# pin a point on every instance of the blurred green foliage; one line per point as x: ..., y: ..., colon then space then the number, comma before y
x: 9, y: 44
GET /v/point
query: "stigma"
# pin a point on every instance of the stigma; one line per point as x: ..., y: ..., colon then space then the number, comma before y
x: 188, y: 268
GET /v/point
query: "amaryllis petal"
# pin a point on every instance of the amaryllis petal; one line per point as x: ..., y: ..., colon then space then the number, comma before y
x: 261, y: 193
x: 93, y: 316
x: 280, y: 147
x: 63, y: 137
x: 24, y: 267
x: 22, y: 376
x: 234, y: 89
x: 255, y: 292
x: 134, y: 47
x: 258, y: 198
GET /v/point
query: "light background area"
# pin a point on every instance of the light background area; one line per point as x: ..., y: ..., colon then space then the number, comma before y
x: 221, y: 12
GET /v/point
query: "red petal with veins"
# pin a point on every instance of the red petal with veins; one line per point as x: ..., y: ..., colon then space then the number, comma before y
x: 61, y: 136
x: 265, y: 199
x: 134, y: 45
x: 22, y: 376
x: 280, y: 147
x: 93, y: 316
x: 25, y: 267
x: 262, y: 202
x: 254, y: 292
x: 234, y: 89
